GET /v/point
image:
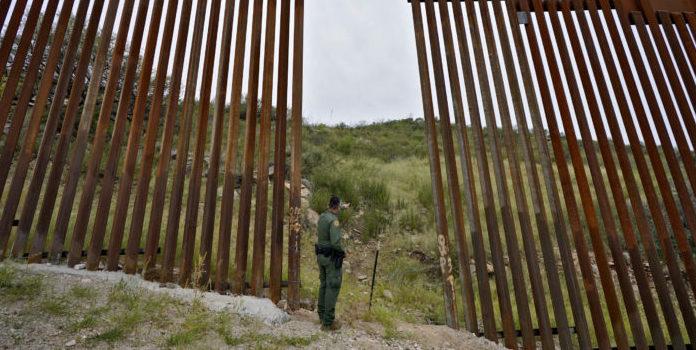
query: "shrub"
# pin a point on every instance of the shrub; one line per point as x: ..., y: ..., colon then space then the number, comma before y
x: 374, y: 194
x: 345, y: 145
x: 345, y: 217
x: 411, y: 221
x: 425, y: 196
x: 376, y: 222
x: 319, y: 200
x: 335, y: 182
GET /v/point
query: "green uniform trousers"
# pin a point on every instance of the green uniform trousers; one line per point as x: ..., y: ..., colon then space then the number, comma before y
x: 330, y: 286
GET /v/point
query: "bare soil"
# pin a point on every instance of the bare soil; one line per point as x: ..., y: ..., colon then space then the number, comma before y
x: 80, y: 309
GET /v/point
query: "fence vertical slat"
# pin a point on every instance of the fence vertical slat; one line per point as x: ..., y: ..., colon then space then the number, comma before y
x: 227, y: 205
x: 182, y: 146
x: 530, y: 249
x: 98, y: 143
x: 538, y: 206
x: 661, y: 55
x: 684, y: 38
x: 27, y: 149
x: 261, y: 210
x: 638, y: 153
x: 192, y: 207
x: 153, y: 121
x: 242, y: 246
x: 471, y: 197
x: 118, y: 219
x: 597, y: 177
x: 295, y: 229
x: 618, y: 195
x: 18, y: 69
x: 211, y: 190
x: 49, y: 135
x: 165, y: 155
x: 564, y: 175
x: 279, y: 158
x: 435, y: 169
x: 33, y: 69
x: 27, y: 90
x: 449, y: 156
x: 54, y: 178
x: 467, y: 289
x: 606, y: 280
x: 11, y: 33
x: 490, y: 206
x: 108, y: 179
x: 4, y: 10
x: 673, y: 164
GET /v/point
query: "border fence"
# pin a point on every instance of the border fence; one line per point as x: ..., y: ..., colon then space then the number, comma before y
x: 158, y: 93
x: 584, y: 112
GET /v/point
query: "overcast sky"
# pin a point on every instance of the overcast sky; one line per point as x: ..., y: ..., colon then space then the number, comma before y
x: 361, y: 61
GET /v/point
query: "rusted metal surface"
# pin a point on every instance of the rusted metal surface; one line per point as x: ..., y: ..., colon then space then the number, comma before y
x: 151, y: 134
x: 261, y: 210
x: 533, y: 179
x: 18, y: 67
x: 597, y: 177
x: 4, y: 10
x: 126, y: 178
x: 279, y: 159
x: 26, y: 154
x: 227, y: 205
x: 44, y: 151
x: 295, y: 228
x: 11, y: 33
x: 165, y: 154
x: 182, y: 148
x: 33, y: 69
x: 489, y: 323
x: 619, y: 199
x: 450, y: 161
x: 211, y: 190
x: 250, y: 121
x: 435, y: 167
x: 137, y: 111
x: 108, y: 178
x: 50, y: 196
x: 98, y: 142
x: 192, y: 209
x: 593, y: 113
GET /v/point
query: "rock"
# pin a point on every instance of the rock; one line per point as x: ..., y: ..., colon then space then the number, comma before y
x: 388, y: 295
x: 80, y: 266
x: 283, y: 304
x: 362, y: 277
x: 71, y: 343
x: 168, y: 285
x: 307, y: 184
x: 312, y: 217
x: 346, y: 264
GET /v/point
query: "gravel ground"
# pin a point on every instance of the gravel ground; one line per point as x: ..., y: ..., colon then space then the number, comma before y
x: 46, y: 307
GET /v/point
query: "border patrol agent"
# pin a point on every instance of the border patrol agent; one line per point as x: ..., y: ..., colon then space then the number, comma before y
x: 330, y: 254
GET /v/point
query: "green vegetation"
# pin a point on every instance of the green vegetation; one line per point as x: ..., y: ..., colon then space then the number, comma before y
x: 125, y: 315
x: 14, y: 286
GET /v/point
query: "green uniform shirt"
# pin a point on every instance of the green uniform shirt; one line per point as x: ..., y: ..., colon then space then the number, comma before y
x: 329, y: 231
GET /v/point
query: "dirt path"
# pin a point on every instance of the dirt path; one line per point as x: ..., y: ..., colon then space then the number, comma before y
x: 56, y: 307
